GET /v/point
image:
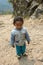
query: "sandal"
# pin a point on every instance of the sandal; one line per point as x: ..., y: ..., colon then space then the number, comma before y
x: 19, y: 57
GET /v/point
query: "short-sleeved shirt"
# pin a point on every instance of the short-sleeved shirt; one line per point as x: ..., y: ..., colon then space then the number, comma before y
x: 19, y: 37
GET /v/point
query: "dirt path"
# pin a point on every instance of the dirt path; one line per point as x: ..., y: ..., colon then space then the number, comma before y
x: 34, y: 50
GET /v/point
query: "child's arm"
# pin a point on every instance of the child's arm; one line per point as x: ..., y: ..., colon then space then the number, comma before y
x: 12, y: 40
x: 27, y: 37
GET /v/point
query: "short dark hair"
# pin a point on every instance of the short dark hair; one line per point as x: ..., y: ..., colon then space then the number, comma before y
x: 18, y: 18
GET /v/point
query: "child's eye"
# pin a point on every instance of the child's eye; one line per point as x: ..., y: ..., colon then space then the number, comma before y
x: 18, y: 23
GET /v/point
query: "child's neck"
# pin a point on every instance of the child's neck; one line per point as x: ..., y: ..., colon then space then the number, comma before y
x: 19, y: 28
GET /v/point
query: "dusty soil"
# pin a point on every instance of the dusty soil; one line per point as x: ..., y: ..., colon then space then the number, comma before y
x: 34, y: 49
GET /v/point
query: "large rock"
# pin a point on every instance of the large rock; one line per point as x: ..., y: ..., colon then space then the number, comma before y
x: 33, y: 7
x: 25, y: 7
x: 39, y: 10
x: 39, y: 1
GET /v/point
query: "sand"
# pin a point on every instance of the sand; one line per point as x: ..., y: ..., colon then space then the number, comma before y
x: 34, y: 49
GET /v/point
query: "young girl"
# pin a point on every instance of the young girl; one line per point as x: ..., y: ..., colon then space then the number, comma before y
x: 19, y: 35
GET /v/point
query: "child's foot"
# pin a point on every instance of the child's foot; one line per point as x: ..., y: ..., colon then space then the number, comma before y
x: 25, y: 54
x: 19, y: 57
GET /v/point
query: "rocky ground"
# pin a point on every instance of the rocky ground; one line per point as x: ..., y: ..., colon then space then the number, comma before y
x: 34, y: 49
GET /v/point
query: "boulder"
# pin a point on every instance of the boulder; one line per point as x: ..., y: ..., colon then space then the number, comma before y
x: 39, y: 10
x: 33, y: 7
x: 39, y: 1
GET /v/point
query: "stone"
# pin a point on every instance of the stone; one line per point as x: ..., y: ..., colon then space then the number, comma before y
x: 40, y: 58
x: 34, y: 5
x: 39, y: 10
x: 40, y: 1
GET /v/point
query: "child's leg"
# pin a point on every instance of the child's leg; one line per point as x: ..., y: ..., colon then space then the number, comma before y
x: 18, y: 50
x: 23, y: 49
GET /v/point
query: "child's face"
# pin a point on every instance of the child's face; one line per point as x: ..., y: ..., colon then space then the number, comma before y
x: 18, y: 24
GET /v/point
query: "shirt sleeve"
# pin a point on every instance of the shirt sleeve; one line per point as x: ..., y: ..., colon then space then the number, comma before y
x: 27, y: 36
x: 12, y: 39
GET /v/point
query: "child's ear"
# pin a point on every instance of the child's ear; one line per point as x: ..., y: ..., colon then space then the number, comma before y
x: 14, y: 24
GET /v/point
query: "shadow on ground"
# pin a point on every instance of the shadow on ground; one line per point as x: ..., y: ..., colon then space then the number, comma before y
x: 25, y: 61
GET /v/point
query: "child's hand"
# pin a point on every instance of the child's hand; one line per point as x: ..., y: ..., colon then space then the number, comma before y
x: 28, y: 42
x: 13, y: 46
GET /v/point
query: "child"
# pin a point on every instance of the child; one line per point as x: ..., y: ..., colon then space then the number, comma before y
x: 19, y: 35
